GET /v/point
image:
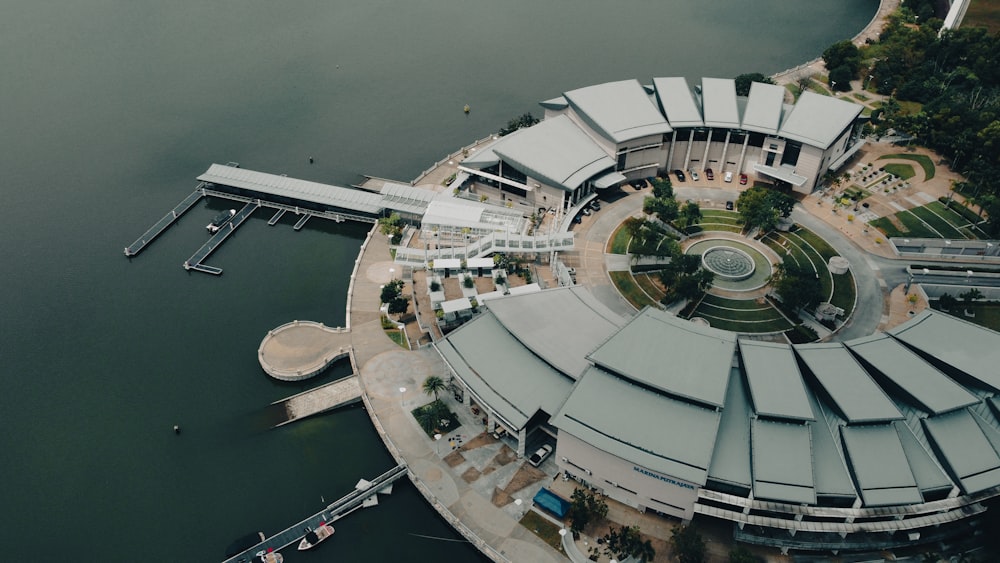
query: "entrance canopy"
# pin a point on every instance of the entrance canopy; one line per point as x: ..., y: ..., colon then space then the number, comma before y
x: 608, y: 180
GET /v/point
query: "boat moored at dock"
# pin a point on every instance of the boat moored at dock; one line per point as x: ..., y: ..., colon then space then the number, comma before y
x: 220, y: 220
x: 314, y: 537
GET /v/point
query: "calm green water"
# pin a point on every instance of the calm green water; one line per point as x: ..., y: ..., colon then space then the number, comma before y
x: 110, y: 108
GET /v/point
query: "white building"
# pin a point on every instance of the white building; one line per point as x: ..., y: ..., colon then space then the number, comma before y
x: 599, y: 136
x: 882, y: 442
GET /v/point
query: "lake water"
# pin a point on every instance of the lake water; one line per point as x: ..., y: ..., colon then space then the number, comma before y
x: 110, y: 108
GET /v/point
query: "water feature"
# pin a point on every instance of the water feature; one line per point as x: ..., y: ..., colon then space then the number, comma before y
x: 112, y: 107
x: 728, y: 263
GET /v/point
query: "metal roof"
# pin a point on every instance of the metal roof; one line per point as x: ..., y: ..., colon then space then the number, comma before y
x: 638, y: 425
x: 556, y: 151
x: 731, y: 458
x: 930, y: 389
x: 458, y: 212
x: 560, y: 325
x: 677, y: 102
x: 966, y: 452
x: 406, y: 198
x: 829, y: 465
x: 303, y: 190
x: 763, y: 109
x: 818, y: 120
x: 879, y: 465
x: 620, y: 111
x: 775, y: 383
x: 673, y: 355
x: 928, y: 474
x: 505, y: 374
x: 782, y: 462
x: 719, y: 103
x: 969, y: 348
x: 855, y: 394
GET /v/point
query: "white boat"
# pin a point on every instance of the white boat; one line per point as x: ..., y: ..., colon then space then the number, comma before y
x: 315, y: 536
x: 269, y: 557
x: 220, y: 220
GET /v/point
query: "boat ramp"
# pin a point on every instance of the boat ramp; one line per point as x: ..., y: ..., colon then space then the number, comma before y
x: 333, y: 395
x: 362, y: 495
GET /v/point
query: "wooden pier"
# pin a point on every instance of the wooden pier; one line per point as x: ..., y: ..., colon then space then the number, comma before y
x: 194, y: 262
x: 324, y: 398
x: 335, y: 511
x: 164, y: 223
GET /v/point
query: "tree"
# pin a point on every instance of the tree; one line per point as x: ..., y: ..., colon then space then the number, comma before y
x: 392, y: 227
x: 843, y: 54
x: 663, y: 188
x: 761, y: 207
x: 434, y: 385
x: 947, y: 302
x: 798, y: 285
x: 626, y: 542
x: 584, y: 508
x: 743, y: 555
x: 691, y: 214
x: 391, y: 291
x: 688, y: 545
x: 744, y: 81
x: 666, y: 210
x: 519, y: 122
x: 840, y: 78
x: 399, y: 305
x: 971, y: 295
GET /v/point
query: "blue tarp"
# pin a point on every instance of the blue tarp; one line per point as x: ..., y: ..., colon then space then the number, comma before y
x: 552, y: 502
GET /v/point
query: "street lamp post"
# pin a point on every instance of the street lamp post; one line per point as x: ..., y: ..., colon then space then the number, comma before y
x: 401, y: 391
x: 437, y: 441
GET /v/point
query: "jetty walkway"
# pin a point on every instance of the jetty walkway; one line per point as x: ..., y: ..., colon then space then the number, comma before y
x: 335, y: 511
x: 335, y: 394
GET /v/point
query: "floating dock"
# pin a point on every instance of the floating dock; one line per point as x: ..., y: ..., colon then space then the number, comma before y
x: 194, y: 262
x: 335, y: 511
x: 168, y: 219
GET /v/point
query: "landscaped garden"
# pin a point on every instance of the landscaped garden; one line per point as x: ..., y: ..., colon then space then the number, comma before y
x: 937, y: 219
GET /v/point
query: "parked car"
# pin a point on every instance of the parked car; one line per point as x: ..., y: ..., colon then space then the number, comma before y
x: 709, y: 175
x: 743, y: 179
x: 595, y: 205
x: 729, y: 206
x: 694, y: 175
x: 679, y: 174
x: 728, y: 177
x: 638, y: 184
x: 540, y: 454
x: 577, y: 219
x: 586, y: 211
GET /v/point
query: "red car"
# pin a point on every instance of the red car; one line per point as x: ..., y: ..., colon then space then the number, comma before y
x: 709, y: 174
x: 743, y: 179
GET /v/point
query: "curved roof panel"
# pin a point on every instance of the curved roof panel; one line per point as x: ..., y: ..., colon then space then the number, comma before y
x: 775, y: 383
x: 672, y: 355
x: 763, y: 110
x: 555, y: 150
x: 818, y: 120
x: 719, y: 103
x: 969, y: 348
x: 620, y: 111
x: 677, y: 102
x: 855, y: 394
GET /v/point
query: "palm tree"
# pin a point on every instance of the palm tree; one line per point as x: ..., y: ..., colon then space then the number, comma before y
x: 433, y: 385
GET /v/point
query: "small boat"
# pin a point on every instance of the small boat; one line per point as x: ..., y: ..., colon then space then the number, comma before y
x: 220, y: 220
x: 315, y: 536
x: 270, y: 556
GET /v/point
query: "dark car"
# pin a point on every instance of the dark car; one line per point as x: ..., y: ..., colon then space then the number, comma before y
x: 729, y: 206
x: 638, y: 184
x: 709, y: 174
x: 577, y: 219
x: 743, y: 179
x: 680, y: 175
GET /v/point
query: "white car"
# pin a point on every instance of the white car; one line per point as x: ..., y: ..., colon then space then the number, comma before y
x: 729, y: 177
x: 540, y: 454
x: 694, y: 175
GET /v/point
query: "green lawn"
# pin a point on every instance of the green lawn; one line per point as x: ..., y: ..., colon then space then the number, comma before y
x: 904, y: 171
x: 915, y: 226
x: 950, y: 215
x: 885, y: 225
x: 923, y: 160
x: 706, y: 226
x: 630, y: 290
x: 986, y: 314
x: 983, y: 13
x: 543, y: 528
x: 844, y: 292
x: 748, y: 304
x: 647, y: 284
x: 398, y: 337
x: 938, y: 223
x: 766, y: 313
x: 619, y: 241
x: 736, y: 326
